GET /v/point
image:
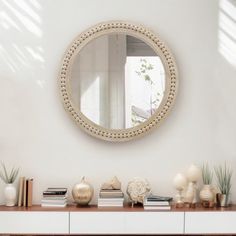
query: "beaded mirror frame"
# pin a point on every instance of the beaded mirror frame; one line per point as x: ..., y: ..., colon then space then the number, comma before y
x: 171, y: 80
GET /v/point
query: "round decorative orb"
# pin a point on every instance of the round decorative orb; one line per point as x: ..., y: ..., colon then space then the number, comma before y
x: 82, y: 192
x: 194, y: 173
x: 180, y: 181
x: 137, y: 189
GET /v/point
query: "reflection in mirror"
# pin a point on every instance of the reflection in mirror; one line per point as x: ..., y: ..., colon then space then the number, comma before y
x: 117, y: 81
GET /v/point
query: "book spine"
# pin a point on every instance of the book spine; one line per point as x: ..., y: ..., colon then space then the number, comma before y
x: 27, y: 189
x: 30, y: 192
x: 54, y: 192
x: 24, y: 193
x: 20, y: 192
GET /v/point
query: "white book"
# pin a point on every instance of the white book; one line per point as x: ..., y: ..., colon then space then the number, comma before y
x: 53, y: 205
x: 54, y: 198
x: 156, y: 203
x: 111, y: 203
x: 162, y: 208
x: 103, y: 205
x: 108, y: 200
x: 54, y: 201
x: 111, y: 199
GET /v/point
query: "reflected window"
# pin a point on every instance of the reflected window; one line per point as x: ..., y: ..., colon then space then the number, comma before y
x: 118, y: 81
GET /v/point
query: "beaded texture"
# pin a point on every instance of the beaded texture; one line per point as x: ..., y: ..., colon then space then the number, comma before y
x: 171, y: 80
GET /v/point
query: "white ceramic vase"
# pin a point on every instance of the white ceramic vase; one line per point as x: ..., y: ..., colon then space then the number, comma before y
x: 10, y: 195
x: 189, y: 195
x: 206, y: 194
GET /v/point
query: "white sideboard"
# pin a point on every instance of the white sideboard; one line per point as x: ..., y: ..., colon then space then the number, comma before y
x: 92, y: 220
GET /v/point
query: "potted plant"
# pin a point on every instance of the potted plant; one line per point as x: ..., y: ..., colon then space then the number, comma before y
x: 223, y: 176
x: 206, y: 194
x: 8, y: 178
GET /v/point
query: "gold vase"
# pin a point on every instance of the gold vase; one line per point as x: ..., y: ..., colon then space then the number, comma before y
x: 82, y: 192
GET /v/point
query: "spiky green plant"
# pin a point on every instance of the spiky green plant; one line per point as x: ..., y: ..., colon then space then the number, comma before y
x: 8, y: 178
x: 207, y: 174
x: 224, y: 176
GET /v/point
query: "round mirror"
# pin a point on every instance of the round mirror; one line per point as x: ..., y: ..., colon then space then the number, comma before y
x: 118, y: 80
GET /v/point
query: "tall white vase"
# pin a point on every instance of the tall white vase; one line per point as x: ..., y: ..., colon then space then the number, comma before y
x: 190, y: 192
x: 10, y: 195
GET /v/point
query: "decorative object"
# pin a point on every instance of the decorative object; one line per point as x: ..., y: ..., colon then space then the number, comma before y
x: 180, y: 182
x: 130, y: 121
x: 82, y: 192
x: 223, y: 176
x: 206, y: 195
x: 110, y: 194
x: 190, y: 194
x: 10, y: 194
x: 10, y: 189
x: 137, y: 189
x: 193, y: 175
x: 114, y: 183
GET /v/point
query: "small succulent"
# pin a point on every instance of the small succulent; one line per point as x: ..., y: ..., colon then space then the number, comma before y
x: 8, y: 178
x: 224, y: 176
x: 207, y: 174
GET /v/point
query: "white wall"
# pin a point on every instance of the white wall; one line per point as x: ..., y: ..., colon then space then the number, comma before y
x: 39, y: 136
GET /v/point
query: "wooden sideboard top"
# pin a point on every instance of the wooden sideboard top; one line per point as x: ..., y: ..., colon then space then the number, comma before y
x: 94, y: 208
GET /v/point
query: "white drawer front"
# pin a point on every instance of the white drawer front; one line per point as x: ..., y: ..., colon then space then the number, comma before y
x: 96, y: 222
x: 210, y: 222
x: 154, y: 222
x: 33, y: 222
x: 127, y: 223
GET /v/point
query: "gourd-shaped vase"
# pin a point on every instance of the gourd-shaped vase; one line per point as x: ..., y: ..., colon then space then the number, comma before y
x: 207, y: 194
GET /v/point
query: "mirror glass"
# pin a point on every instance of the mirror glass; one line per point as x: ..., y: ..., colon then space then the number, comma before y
x: 117, y: 81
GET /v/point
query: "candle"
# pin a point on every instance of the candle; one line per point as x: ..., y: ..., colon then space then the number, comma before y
x: 180, y: 181
x: 194, y: 173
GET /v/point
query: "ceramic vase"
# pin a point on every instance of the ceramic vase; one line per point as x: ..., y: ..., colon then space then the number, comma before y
x: 222, y: 200
x: 10, y: 195
x: 189, y: 195
x: 206, y: 194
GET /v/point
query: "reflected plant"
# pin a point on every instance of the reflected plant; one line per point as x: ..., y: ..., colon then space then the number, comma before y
x: 143, y: 70
x: 146, y: 67
x: 136, y: 119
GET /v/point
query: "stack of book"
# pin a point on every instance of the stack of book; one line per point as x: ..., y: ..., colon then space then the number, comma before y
x: 25, y: 194
x: 111, y: 198
x: 153, y: 202
x: 54, y: 197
